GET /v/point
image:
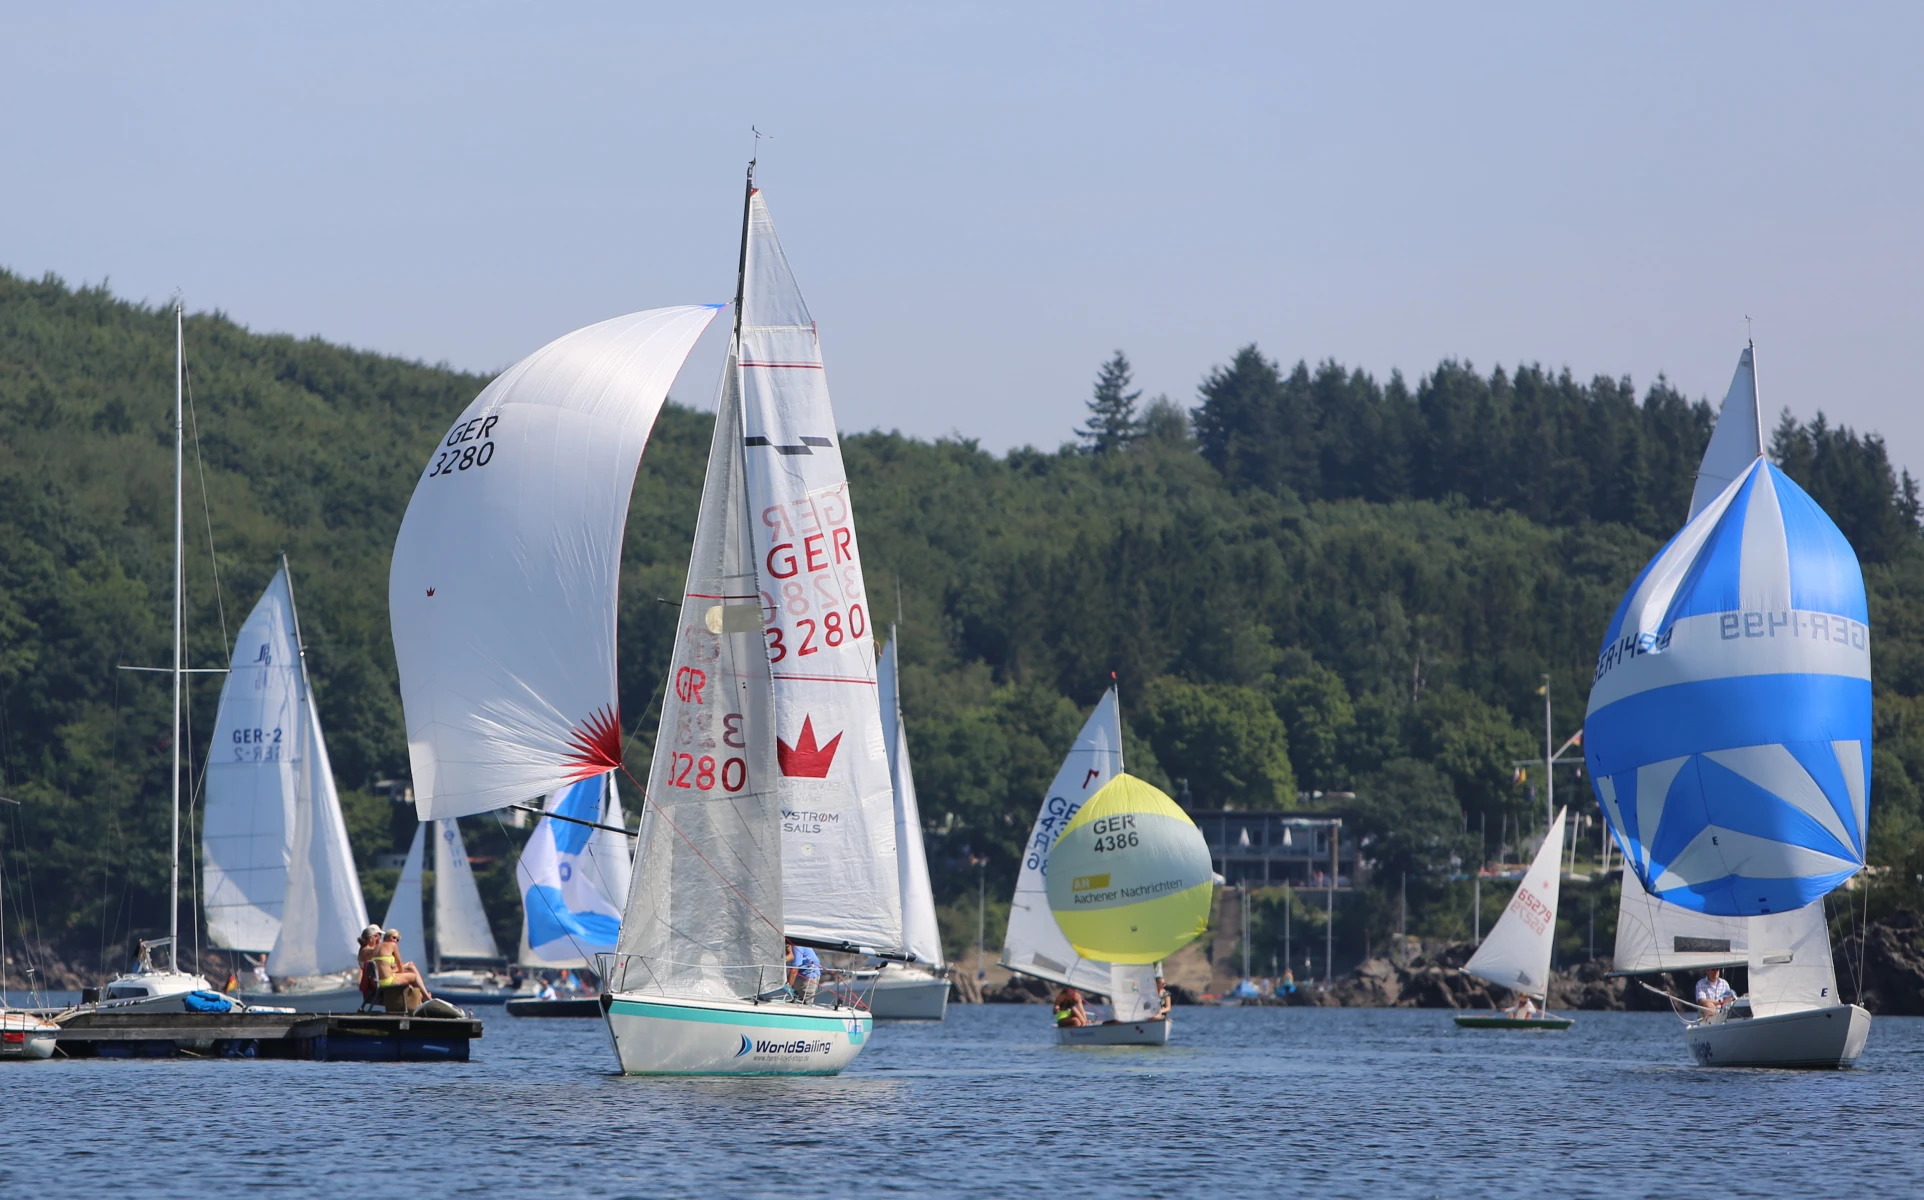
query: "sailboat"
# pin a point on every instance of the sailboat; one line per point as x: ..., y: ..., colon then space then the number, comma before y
x: 574, y: 874
x: 1729, y: 743
x: 152, y: 985
x: 1516, y: 955
x: 280, y: 873
x: 916, y: 990
x: 462, y: 933
x: 1034, y: 943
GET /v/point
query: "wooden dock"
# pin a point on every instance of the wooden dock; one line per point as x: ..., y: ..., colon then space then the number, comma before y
x: 315, y: 1037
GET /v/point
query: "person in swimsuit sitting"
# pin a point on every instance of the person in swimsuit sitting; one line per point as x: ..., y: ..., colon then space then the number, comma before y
x: 1069, y: 1010
x: 370, y: 947
x: 393, y: 972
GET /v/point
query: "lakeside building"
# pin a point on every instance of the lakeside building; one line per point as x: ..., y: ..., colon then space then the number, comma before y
x: 1270, y: 849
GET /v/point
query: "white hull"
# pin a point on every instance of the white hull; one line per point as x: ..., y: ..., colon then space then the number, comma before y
x: 1126, y: 1033
x: 152, y: 991
x: 907, y: 995
x: 656, y: 1035
x: 333, y: 1000
x: 1820, y: 1037
x: 35, y: 1037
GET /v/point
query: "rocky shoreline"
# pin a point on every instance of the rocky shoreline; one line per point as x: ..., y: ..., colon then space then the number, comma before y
x: 1893, y: 981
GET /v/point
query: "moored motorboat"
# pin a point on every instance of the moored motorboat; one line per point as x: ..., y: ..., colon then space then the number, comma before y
x: 26, y: 1035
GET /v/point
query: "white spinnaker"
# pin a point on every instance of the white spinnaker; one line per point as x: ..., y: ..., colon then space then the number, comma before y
x: 838, y: 808
x: 247, y: 830
x: 1654, y: 936
x: 1516, y: 955
x: 1790, y: 962
x: 1736, y: 442
x: 1034, y: 944
x: 503, y: 585
x: 1132, y: 992
x: 704, y: 913
x: 404, y: 907
x: 324, y: 913
x: 921, y: 936
x: 461, y: 927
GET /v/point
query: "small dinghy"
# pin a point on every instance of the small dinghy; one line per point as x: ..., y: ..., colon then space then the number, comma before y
x: 1516, y: 955
x: 26, y: 1035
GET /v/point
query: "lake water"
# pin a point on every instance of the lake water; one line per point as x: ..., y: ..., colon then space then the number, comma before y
x: 1246, y: 1102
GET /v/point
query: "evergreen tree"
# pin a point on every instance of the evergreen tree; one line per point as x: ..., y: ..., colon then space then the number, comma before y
x: 1112, y: 411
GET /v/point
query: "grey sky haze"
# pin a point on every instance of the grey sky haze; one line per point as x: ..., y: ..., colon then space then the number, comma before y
x: 983, y: 201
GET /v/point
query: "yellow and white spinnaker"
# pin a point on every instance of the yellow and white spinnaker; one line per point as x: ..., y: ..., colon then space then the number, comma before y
x: 1129, y: 878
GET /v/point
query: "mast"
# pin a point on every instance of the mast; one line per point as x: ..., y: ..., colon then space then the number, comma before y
x: 180, y: 374
x: 741, y: 263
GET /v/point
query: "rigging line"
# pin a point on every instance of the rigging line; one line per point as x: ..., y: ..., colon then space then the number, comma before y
x: 207, y: 518
x: 663, y: 814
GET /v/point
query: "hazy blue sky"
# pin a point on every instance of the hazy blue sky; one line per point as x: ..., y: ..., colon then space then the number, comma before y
x: 983, y: 201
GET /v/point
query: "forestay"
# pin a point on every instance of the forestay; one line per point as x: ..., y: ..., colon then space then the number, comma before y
x: 1729, y: 728
x: 247, y: 830
x: 921, y: 937
x: 837, y: 804
x: 1654, y: 936
x: 460, y: 923
x: 324, y: 912
x: 1516, y: 955
x: 704, y: 915
x: 502, y: 592
x: 1034, y: 944
x: 570, y: 913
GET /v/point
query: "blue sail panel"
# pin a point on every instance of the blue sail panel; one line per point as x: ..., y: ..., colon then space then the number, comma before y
x: 1729, y: 729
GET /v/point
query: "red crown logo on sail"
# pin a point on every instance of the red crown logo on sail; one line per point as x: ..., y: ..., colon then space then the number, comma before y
x: 806, y: 760
x: 595, y: 747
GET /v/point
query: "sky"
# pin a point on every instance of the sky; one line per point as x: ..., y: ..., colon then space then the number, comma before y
x: 983, y: 202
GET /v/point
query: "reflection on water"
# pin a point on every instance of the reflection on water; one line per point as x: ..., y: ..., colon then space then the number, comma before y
x: 1246, y: 1102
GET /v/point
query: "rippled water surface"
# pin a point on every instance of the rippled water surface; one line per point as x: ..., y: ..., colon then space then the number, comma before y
x: 1245, y: 1102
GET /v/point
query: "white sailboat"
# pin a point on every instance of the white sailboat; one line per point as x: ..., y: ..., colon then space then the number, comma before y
x: 152, y: 985
x: 1517, y: 953
x: 279, y: 867
x: 405, y: 910
x: 917, y: 990
x: 466, y: 956
x: 1739, y: 830
x: 743, y: 787
x: 1035, y: 945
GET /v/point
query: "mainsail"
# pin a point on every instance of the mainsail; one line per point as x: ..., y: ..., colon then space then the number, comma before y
x: 1516, y: 955
x: 404, y: 908
x: 569, y: 913
x: 247, y: 830
x: 1035, y: 944
x: 461, y: 927
x: 837, y: 804
x: 1729, y: 728
x: 503, y: 586
x: 704, y: 916
x: 324, y: 912
x: 921, y: 937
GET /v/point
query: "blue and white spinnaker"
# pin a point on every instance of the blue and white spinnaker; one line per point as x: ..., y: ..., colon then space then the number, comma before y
x: 567, y: 877
x: 1729, y: 727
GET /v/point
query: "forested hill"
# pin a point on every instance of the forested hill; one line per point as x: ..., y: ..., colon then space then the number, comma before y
x: 1309, y: 582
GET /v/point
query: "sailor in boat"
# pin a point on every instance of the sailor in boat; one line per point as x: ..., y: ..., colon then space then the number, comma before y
x: 1713, y: 992
x: 804, y: 973
x: 1070, y: 1012
x: 1165, y: 1000
x: 1525, y: 1009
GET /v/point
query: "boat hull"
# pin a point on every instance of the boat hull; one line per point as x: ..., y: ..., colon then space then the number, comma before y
x: 25, y: 1036
x: 908, y: 996
x: 583, y: 1006
x: 333, y: 1000
x: 655, y: 1035
x: 1816, y: 1039
x: 1121, y: 1033
x: 1544, y: 1024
